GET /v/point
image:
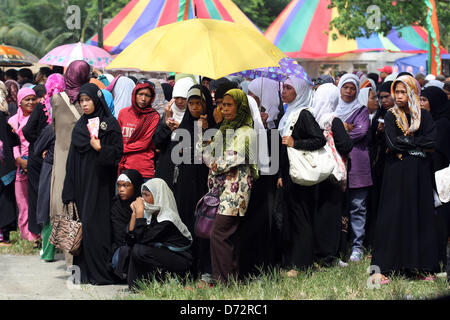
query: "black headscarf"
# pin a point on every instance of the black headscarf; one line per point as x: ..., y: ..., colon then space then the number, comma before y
x: 121, y: 210
x: 167, y: 88
x: 137, y: 181
x: 223, y: 88
x: 80, y: 135
x: 386, y: 87
x: 215, y: 84
x: 439, y: 108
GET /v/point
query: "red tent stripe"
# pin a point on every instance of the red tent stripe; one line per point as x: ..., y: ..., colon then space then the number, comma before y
x: 109, y: 28
x: 202, y: 10
x: 223, y: 12
x: 421, y: 32
x: 316, y: 38
x: 169, y: 13
x: 186, y: 10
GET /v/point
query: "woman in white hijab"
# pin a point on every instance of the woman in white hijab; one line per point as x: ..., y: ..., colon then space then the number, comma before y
x: 122, y: 92
x: 267, y: 92
x: 159, y: 238
x: 173, y: 115
x: 299, y: 130
x: 330, y: 219
x: 179, y: 94
x: 356, y: 121
x: 368, y: 97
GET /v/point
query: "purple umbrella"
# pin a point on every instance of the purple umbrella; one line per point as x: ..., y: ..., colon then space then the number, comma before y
x: 287, y: 67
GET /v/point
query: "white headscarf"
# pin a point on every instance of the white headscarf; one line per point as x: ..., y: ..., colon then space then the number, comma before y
x: 434, y: 83
x: 267, y: 92
x: 303, y: 99
x: 181, y: 89
x: 326, y: 100
x: 164, y: 199
x: 263, y: 147
x: 363, y: 96
x: 122, y: 92
x: 109, y: 77
x: 344, y: 110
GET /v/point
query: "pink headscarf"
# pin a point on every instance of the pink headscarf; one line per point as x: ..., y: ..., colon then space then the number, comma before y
x: 18, y: 121
x: 55, y: 84
x: 23, y: 93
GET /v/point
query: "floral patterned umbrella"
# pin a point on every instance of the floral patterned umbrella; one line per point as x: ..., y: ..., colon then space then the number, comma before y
x: 65, y: 54
x: 287, y: 67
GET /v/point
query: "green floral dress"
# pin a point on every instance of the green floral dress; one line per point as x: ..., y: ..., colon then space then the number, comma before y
x: 233, y: 177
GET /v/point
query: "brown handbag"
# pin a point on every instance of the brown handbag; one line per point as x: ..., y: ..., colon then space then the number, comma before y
x: 66, y: 232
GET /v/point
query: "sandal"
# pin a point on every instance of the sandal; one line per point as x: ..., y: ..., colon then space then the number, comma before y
x: 427, y: 278
x: 5, y: 244
x: 204, y: 285
x: 381, y: 279
x: 37, y: 244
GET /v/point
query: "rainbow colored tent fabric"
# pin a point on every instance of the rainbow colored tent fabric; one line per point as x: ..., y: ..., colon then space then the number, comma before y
x: 302, y: 31
x: 140, y: 16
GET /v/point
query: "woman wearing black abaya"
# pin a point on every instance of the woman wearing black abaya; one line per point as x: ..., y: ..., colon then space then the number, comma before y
x: 406, y: 237
x: 90, y: 177
x: 8, y: 139
x: 128, y: 190
x: 192, y: 177
x: 435, y: 100
x: 305, y: 135
x: 330, y: 219
x: 377, y: 153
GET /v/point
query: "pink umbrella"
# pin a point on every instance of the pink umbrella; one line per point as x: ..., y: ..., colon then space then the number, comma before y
x: 65, y: 54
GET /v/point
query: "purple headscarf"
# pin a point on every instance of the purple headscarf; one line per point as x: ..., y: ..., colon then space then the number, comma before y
x: 76, y: 75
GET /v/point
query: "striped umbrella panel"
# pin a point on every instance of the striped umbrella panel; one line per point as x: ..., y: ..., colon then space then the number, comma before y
x: 302, y: 31
x: 140, y: 16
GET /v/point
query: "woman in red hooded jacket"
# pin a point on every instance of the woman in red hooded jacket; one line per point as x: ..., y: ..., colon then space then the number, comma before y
x: 138, y: 123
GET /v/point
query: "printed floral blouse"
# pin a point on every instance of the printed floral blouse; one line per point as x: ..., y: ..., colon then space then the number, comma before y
x: 231, y: 180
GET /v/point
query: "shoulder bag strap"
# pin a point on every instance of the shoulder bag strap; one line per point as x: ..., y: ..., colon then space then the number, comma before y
x: 71, y: 106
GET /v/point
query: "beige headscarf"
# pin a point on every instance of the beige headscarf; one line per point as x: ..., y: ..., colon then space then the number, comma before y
x: 3, y: 95
x: 413, y: 92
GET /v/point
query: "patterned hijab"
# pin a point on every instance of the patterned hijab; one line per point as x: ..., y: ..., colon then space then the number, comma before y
x: 3, y: 95
x: 413, y: 93
x: 54, y: 84
x: 243, y: 118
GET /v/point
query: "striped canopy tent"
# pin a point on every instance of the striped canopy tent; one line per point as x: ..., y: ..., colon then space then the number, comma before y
x: 302, y: 31
x: 140, y: 16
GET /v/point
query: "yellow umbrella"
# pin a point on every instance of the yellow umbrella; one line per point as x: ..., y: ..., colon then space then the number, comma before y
x: 206, y: 47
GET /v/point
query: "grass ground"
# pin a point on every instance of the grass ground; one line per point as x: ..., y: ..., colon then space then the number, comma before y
x: 320, y: 283
x: 332, y: 283
x: 19, y: 246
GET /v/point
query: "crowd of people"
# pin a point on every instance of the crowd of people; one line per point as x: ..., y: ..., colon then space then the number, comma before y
x: 138, y: 181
